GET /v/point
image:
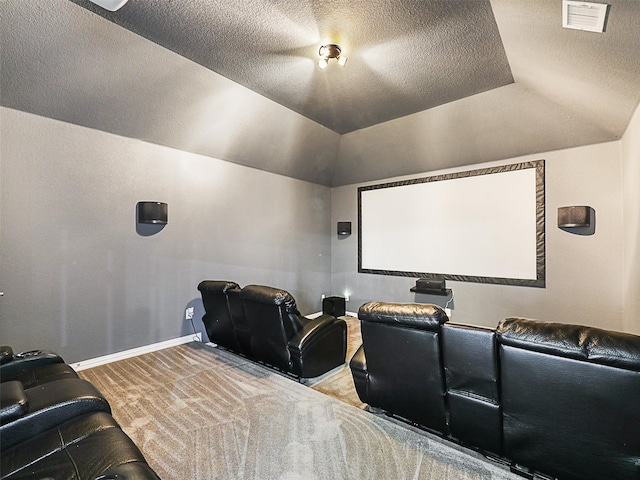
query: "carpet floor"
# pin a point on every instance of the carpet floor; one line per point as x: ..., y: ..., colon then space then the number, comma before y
x: 198, y: 412
x: 338, y: 383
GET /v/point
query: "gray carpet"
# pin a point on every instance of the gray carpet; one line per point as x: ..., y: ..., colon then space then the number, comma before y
x: 200, y: 413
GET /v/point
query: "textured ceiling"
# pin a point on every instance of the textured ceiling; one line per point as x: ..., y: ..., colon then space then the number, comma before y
x: 428, y: 85
x: 403, y: 56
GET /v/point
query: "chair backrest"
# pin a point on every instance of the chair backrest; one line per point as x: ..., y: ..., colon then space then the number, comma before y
x: 470, y: 360
x: 217, y: 318
x: 402, y: 346
x: 273, y: 319
x: 239, y: 319
x: 570, y: 399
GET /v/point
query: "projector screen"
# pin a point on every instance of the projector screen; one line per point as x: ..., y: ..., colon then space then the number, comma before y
x: 482, y: 225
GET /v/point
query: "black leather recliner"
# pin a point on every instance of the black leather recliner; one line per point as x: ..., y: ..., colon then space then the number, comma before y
x: 217, y: 318
x: 398, y: 366
x: 284, y: 339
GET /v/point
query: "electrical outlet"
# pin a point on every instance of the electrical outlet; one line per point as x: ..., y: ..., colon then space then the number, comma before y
x: 448, y: 312
x: 188, y: 313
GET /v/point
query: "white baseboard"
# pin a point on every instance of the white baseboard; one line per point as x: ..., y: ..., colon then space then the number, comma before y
x: 134, y: 352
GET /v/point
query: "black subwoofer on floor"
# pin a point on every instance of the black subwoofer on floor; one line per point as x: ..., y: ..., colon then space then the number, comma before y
x: 334, y: 306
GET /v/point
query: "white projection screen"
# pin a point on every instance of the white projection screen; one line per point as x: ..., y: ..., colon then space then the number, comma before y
x: 484, y: 225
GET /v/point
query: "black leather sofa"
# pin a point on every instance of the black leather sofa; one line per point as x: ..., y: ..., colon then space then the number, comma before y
x: 263, y: 323
x: 557, y: 400
x: 60, y: 427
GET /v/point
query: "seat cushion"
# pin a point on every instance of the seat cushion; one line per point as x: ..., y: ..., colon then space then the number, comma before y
x: 82, y: 448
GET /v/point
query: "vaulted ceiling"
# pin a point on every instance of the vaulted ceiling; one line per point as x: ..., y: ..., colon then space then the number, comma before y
x: 428, y: 84
x: 403, y: 57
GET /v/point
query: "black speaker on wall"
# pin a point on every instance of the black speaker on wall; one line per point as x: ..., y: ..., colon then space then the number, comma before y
x: 579, y: 220
x: 572, y: 217
x: 153, y: 212
x: 335, y: 306
x: 344, y: 228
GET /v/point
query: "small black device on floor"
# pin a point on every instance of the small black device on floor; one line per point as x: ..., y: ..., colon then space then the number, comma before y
x: 335, y: 306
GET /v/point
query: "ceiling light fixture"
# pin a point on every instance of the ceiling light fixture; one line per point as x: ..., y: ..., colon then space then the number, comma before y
x: 329, y: 51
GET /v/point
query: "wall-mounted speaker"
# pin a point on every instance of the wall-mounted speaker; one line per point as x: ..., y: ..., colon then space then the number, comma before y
x: 344, y: 228
x: 574, y: 217
x: 335, y: 306
x: 153, y: 212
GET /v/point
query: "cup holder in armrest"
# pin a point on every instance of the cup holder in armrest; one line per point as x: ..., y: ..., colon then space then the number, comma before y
x: 30, y: 353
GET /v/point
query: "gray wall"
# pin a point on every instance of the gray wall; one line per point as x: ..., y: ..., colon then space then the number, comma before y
x: 584, y: 273
x: 81, y: 279
x: 475, y: 129
x: 631, y: 157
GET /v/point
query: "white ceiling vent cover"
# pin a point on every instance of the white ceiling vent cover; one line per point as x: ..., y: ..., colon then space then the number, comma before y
x: 584, y: 15
x: 111, y: 5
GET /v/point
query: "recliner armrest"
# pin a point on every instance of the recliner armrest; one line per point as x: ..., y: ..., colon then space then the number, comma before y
x: 25, y: 361
x: 318, y: 347
x: 360, y: 374
x: 359, y: 361
x: 310, y: 331
x: 13, y: 401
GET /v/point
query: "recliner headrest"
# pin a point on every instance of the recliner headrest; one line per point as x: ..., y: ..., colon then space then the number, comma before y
x: 590, y: 344
x: 424, y: 316
x: 270, y: 296
x: 216, y: 286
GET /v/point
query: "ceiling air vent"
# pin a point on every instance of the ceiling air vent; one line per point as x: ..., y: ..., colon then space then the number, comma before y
x: 584, y: 15
x: 111, y: 5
